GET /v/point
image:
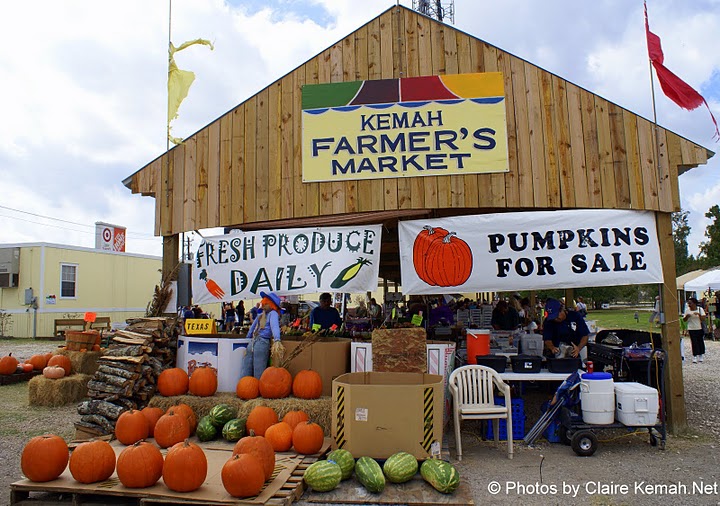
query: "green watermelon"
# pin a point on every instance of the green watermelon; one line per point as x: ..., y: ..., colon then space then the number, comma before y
x: 234, y: 429
x: 400, y: 467
x: 222, y: 414
x: 441, y: 475
x: 206, y: 430
x: 370, y: 474
x: 345, y: 460
x: 323, y: 475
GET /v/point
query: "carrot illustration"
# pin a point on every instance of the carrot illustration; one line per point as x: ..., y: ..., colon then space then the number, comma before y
x: 212, y: 286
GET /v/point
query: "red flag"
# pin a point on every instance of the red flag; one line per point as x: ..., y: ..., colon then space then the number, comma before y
x: 674, y: 88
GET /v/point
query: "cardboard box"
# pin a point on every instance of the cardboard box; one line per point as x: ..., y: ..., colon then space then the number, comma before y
x: 377, y: 414
x: 330, y: 358
x: 399, y: 350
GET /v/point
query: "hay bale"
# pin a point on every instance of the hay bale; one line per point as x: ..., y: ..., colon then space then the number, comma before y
x: 319, y: 410
x: 57, y: 392
x: 83, y: 362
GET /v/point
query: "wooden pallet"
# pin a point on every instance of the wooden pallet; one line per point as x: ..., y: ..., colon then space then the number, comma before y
x: 9, y: 379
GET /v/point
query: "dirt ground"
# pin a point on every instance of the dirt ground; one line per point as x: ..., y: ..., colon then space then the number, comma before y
x: 626, y: 469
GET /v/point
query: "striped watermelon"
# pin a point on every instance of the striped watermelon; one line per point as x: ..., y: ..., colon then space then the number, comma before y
x: 370, y: 474
x: 206, y: 430
x: 222, y: 414
x: 323, y: 475
x: 234, y: 429
x: 400, y: 467
x: 441, y: 475
x: 345, y: 460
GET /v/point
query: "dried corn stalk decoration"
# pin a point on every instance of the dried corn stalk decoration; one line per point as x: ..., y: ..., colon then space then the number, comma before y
x: 277, y: 353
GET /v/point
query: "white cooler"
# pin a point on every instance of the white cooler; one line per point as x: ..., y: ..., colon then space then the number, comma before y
x: 597, y: 398
x: 636, y: 404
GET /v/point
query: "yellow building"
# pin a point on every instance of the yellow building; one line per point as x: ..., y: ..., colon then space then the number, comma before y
x: 41, y: 282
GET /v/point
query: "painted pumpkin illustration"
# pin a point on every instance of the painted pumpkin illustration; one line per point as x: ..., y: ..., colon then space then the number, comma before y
x: 441, y: 258
x: 420, y: 248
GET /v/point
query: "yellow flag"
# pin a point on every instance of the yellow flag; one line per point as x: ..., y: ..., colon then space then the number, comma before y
x: 179, y: 82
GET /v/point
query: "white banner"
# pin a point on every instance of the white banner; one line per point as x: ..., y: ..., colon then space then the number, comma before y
x: 532, y: 250
x: 288, y: 262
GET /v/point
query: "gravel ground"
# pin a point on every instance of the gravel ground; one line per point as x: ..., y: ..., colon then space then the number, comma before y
x: 625, y: 469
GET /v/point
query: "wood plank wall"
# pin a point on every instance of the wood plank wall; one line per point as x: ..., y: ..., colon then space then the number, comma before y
x: 568, y: 148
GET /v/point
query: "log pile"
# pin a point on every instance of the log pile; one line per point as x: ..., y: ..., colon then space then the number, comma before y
x: 127, y: 372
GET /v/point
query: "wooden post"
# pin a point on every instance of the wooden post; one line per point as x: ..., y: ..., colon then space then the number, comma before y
x: 674, y: 390
x: 171, y: 251
x: 569, y: 297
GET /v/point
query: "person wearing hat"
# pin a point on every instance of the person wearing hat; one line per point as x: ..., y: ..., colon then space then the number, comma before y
x: 564, y: 326
x: 325, y: 314
x: 263, y: 330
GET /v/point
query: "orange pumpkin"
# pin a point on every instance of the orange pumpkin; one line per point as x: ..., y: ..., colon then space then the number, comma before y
x: 420, y: 248
x: 203, y: 382
x: 292, y: 418
x: 188, y: 412
x: 140, y: 465
x: 44, y: 458
x: 185, y: 467
x: 39, y: 362
x: 92, y: 461
x: 48, y: 356
x: 61, y: 361
x: 279, y: 436
x: 171, y: 428
x: 27, y: 367
x: 307, y: 385
x: 308, y: 438
x: 96, y: 347
x: 448, y: 261
x: 260, y: 418
x: 131, y: 427
x: 152, y: 415
x: 275, y: 383
x: 243, y: 475
x: 260, y: 448
x: 8, y: 365
x: 248, y: 387
x: 172, y: 382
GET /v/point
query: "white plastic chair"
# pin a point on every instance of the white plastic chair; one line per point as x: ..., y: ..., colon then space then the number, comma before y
x: 472, y: 388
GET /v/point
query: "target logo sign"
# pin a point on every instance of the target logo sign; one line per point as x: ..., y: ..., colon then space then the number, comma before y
x: 107, y: 235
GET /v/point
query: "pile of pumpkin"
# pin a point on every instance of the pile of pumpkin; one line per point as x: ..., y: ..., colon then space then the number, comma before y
x: 326, y: 475
x: 184, y: 468
x: 52, y: 366
x: 274, y: 383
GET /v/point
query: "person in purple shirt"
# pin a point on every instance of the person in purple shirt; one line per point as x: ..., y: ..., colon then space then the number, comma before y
x: 263, y: 330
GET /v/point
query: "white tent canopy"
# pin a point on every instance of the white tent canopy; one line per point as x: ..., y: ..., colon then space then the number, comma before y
x: 710, y: 279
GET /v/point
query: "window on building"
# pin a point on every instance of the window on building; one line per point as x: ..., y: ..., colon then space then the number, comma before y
x: 68, y: 281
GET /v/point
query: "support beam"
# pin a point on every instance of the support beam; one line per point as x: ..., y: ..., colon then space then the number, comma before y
x: 170, y: 255
x: 674, y: 389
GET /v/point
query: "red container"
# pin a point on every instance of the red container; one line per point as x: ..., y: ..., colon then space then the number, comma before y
x: 478, y: 343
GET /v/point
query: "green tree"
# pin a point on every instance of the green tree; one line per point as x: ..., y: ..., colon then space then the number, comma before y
x: 684, y: 262
x: 710, y: 249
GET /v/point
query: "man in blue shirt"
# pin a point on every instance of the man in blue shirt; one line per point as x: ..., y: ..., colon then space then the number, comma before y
x: 564, y: 326
x: 325, y: 315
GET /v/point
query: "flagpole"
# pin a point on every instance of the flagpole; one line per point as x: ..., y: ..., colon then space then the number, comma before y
x: 652, y: 94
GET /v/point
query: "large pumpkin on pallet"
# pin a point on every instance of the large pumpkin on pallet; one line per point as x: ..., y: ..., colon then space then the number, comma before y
x: 131, y: 427
x: 248, y: 387
x: 260, y: 418
x: 92, y: 461
x: 243, y: 475
x: 279, y: 436
x: 61, y: 361
x: 308, y: 438
x: 44, y: 458
x: 188, y: 412
x: 39, y: 362
x: 307, y: 385
x: 275, y: 383
x: 8, y: 364
x: 173, y: 382
x: 185, y: 467
x: 203, y: 382
x: 140, y: 465
x: 292, y: 418
x: 152, y: 415
x: 261, y: 449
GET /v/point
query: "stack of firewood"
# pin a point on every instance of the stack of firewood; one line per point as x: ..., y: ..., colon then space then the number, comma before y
x: 128, y: 371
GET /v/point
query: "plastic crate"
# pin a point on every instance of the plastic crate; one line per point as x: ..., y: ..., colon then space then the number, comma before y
x: 518, y: 421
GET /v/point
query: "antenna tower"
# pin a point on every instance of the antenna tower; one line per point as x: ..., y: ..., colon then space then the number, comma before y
x: 442, y: 11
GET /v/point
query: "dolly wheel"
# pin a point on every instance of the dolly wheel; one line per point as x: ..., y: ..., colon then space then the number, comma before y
x: 584, y: 443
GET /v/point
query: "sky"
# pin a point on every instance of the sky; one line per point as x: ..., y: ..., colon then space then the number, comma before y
x: 83, y: 87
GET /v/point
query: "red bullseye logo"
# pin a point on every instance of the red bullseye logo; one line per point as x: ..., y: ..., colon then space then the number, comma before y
x: 107, y: 235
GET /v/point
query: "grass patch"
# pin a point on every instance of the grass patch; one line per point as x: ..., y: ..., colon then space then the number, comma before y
x: 622, y: 319
x: 18, y: 418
